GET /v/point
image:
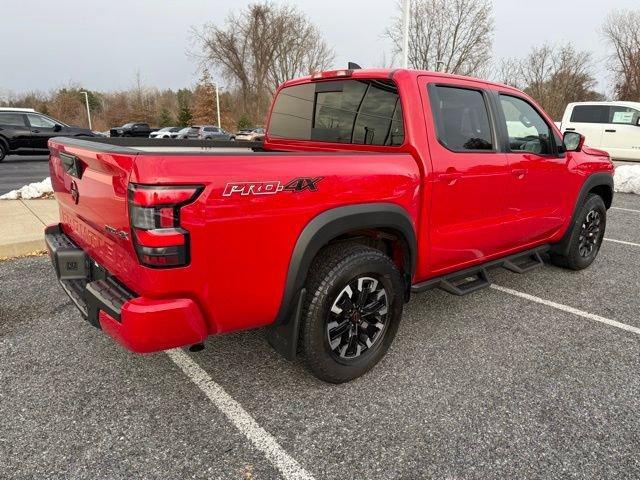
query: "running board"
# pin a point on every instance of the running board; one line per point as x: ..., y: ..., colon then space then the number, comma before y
x: 523, y: 263
x: 475, y: 278
x: 466, y: 283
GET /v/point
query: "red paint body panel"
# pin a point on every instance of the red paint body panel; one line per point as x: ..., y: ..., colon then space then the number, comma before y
x: 241, y: 245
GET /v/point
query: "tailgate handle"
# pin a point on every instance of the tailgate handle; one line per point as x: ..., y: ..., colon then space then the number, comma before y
x: 71, y: 165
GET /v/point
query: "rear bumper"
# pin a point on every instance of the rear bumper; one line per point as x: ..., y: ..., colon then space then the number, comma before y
x: 140, y: 324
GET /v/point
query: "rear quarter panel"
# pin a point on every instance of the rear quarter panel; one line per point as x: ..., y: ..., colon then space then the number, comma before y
x: 241, y: 245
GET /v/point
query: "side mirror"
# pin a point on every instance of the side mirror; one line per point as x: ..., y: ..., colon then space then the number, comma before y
x: 573, y: 141
x: 57, y: 127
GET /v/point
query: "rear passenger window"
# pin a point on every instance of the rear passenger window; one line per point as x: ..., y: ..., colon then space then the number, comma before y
x: 13, y: 119
x: 462, y: 119
x: 528, y: 132
x: 590, y: 114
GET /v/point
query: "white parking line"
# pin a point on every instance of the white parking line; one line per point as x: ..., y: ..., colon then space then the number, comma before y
x: 626, y: 209
x: 566, y: 308
x: 240, y: 418
x: 622, y: 242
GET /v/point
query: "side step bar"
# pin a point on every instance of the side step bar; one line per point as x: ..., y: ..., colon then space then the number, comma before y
x: 475, y: 278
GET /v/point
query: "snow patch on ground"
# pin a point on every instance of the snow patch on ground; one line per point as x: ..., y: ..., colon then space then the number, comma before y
x: 33, y: 190
x: 627, y: 179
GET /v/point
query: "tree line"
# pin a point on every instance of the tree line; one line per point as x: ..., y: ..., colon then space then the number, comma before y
x: 455, y: 36
x: 263, y: 45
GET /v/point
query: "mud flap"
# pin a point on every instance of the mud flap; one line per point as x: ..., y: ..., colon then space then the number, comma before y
x: 284, y: 338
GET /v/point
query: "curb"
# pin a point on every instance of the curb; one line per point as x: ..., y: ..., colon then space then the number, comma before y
x: 18, y: 249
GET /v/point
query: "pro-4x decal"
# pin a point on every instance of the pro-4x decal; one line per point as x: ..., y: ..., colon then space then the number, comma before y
x: 299, y: 184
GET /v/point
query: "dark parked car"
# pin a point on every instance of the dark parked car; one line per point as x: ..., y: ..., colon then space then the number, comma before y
x: 26, y: 132
x: 132, y: 130
x: 210, y: 132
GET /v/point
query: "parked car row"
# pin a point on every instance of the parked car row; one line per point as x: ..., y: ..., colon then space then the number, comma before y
x: 193, y: 132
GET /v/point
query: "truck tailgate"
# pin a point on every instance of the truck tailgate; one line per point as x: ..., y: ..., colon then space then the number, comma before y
x: 91, y: 189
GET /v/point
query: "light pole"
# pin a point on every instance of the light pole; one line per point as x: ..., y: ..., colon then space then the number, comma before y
x: 405, y: 31
x: 218, y: 103
x: 86, y: 101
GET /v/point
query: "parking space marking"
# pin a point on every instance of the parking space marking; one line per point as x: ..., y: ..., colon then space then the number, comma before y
x: 625, y: 209
x: 622, y: 242
x: 240, y: 418
x: 566, y: 308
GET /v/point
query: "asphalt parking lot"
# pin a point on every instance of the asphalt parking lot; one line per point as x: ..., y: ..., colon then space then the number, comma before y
x: 493, y: 385
x: 17, y: 171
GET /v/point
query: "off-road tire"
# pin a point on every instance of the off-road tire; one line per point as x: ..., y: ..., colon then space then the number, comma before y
x: 334, y: 268
x: 569, y: 255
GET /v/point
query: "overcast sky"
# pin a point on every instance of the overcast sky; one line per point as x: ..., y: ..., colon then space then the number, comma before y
x: 101, y: 45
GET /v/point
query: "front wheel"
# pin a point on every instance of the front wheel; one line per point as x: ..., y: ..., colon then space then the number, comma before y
x: 3, y: 152
x: 585, y: 237
x: 353, y: 309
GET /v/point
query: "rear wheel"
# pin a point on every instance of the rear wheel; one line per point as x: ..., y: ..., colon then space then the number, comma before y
x: 355, y: 300
x: 3, y: 152
x: 586, y: 236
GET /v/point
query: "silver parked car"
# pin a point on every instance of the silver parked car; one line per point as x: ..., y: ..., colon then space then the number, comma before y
x: 210, y: 132
x: 251, y: 134
x: 190, y: 133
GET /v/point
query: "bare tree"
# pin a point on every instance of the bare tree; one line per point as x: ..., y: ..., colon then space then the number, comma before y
x: 261, y: 47
x: 553, y: 76
x: 622, y: 31
x: 456, y: 34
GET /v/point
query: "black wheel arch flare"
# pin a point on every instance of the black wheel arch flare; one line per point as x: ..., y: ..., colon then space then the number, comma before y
x: 321, y: 230
x: 598, y: 182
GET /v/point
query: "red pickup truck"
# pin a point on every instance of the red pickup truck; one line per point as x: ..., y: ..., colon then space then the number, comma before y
x: 370, y: 185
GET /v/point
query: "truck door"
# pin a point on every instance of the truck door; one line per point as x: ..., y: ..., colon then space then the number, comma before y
x: 621, y: 135
x: 469, y: 175
x: 538, y: 181
x: 587, y: 120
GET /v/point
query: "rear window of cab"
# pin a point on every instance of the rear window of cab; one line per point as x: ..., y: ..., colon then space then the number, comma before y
x: 363, y: 112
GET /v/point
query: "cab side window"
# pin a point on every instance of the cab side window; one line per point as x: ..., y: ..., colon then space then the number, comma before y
x: 40, y: 121
x: 12, y: 119
x: 590, y: 114
x: 461, y: 117
x: 528, y: 132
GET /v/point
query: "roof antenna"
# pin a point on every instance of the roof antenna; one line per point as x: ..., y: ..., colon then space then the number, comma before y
x: 353, y: 66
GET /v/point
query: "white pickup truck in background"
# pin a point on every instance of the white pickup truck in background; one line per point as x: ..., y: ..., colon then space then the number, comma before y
x: 610, y: 126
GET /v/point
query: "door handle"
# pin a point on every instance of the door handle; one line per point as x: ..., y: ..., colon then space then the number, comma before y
x: 519, y: 172
x: 570, y: 129
x: 610, y: 131
x: 36, y: 131
x: 450, y: 178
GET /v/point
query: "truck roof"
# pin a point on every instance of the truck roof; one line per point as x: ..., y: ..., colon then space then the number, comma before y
x: 391, y: 73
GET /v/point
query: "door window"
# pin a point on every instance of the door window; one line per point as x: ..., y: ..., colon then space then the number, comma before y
x: 40, y: 122
x: 623, y: 115
x: 527, y: 130
x: 13, y: 119
x: 461, y: 117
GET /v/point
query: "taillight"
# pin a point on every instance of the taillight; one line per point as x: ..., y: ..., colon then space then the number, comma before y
x: 154, y: 212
